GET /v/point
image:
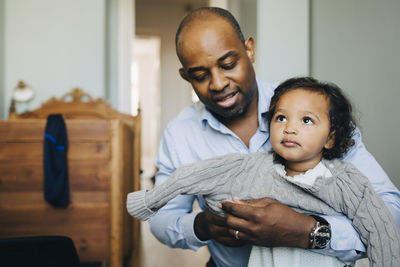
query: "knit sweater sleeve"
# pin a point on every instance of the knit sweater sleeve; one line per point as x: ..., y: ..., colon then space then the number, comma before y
x: 211, y: 176
x: 351, y: 193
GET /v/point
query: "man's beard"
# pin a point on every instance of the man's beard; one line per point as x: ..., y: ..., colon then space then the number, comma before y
x: 231, y: 113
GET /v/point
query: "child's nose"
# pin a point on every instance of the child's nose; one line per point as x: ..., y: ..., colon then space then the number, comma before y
x: 290, y: 128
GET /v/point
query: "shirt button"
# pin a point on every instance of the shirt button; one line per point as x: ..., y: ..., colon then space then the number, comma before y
x: 331, y: 251
x: 331, y: 166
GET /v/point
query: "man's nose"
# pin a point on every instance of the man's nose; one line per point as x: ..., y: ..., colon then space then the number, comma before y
x: 218, y: 80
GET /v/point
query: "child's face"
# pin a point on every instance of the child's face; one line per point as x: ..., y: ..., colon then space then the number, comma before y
x: 300, y: 128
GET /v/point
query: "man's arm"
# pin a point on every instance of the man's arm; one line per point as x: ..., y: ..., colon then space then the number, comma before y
x: 266, y: 222
x: 252, y: 218
x: 367, y: 164
x: 177, y: 226
x: 173, y: 224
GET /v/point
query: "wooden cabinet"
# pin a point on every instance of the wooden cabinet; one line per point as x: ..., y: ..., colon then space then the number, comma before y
x: 103, y: 166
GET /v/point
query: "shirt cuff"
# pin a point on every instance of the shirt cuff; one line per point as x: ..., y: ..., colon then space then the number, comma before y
x: 187, y: 224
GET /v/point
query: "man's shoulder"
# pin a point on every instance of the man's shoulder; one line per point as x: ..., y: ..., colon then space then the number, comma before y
x: 266, y: 86
x: 266, y: 91
x: 191, y: 112
x: 190, y: 116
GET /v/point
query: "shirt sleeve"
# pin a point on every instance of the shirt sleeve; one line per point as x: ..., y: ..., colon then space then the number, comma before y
x: 173, y: 224
x: 346, y: 243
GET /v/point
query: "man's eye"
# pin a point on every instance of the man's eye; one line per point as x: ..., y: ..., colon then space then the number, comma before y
x: 307, y: 120
x: 199, y: 77
x: 229, y: 66
x: 280, y: 118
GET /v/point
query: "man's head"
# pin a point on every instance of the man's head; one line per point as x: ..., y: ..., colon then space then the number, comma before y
x: 204, y: 11
x: 217, y: 61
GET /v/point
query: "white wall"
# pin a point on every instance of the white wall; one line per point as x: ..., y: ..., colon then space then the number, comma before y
x: 356, y: 44
x: 282, y: 45
x: 2, y: 109
x: 54, y: 46
x: 245, y: 12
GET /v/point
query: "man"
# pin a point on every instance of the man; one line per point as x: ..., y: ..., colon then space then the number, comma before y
x: 218, y: 63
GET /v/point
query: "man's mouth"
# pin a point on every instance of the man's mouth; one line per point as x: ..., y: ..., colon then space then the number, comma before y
x: 228, y: 100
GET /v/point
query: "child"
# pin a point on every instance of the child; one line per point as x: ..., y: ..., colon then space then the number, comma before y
x: 311, y: 126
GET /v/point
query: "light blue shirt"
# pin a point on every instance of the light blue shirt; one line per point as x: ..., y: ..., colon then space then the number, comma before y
x: 195, y: 134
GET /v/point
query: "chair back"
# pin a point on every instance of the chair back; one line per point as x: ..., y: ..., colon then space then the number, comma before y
x: 43, y: 251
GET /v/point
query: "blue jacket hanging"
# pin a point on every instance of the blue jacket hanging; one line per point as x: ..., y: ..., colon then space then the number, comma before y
x: 56, y: 185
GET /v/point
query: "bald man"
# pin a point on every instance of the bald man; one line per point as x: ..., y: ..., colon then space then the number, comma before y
x: 229, y: 118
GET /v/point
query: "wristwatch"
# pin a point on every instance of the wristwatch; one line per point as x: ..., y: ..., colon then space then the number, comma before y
x: 321, y: 233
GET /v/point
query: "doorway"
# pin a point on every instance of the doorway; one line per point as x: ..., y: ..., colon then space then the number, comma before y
x: 146, y: 98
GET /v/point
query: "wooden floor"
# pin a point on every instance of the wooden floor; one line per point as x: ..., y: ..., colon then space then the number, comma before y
x: 156, y: 254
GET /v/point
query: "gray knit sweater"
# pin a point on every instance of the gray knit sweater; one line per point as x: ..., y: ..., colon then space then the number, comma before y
x: 252, y: 176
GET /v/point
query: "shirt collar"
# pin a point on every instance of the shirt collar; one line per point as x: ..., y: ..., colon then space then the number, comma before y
x: 208, y: 118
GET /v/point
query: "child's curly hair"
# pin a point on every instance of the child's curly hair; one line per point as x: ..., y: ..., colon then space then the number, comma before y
x: 340, y: 111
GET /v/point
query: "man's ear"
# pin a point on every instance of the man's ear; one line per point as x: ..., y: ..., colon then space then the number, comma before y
x: 182, y: 72
x: 250, y: 48
x: 330, y: 141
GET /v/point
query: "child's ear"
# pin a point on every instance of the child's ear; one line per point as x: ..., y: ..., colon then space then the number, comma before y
x: 330, y: 141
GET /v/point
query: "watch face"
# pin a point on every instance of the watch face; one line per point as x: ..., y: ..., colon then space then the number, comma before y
x: 322, y: 236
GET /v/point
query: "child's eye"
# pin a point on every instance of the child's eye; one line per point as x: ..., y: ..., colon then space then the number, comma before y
x: 280, y: 118
x: 308, y: 120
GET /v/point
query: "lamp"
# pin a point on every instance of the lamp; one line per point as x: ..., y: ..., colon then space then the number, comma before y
x: 22, y: 93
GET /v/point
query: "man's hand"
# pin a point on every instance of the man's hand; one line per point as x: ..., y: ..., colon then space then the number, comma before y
x: 266, y: 222
x: 210, y: 226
